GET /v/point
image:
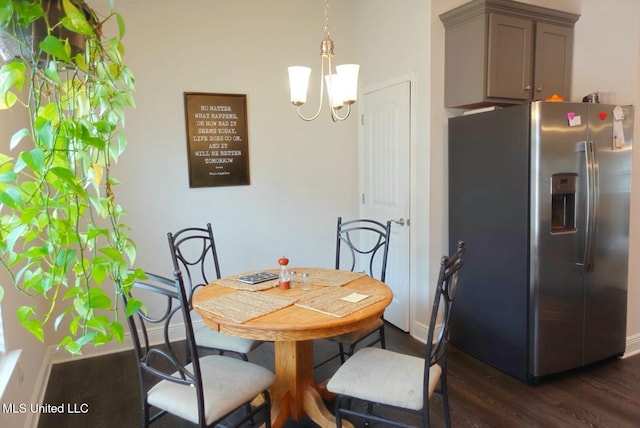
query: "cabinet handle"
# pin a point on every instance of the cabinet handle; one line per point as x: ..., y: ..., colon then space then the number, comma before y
x: 539, y: 89
x: 527, y: 88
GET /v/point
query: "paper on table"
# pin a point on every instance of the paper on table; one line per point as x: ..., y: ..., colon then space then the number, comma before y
x: 354, y: 297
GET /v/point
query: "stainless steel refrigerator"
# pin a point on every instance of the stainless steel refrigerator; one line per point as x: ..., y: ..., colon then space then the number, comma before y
x: 540, y: 194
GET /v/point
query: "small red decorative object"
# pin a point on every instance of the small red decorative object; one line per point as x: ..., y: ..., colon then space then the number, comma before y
x: 285, y: 277
x: 603, y: 115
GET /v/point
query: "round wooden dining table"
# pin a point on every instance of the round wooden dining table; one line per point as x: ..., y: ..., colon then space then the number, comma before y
x: 293, y: 329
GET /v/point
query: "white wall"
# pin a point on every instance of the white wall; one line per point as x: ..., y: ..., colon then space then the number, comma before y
x: 302, y: 174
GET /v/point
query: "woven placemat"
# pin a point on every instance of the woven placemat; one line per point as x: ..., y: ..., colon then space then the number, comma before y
x: 244, y: 305
x: 331, y: 277
x: 329, y: 301
x: 232, y: 282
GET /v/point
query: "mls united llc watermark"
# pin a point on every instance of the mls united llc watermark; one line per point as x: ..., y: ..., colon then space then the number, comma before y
x: 68, y: 408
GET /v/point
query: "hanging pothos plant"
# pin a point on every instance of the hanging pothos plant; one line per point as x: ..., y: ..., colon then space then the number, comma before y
x: 62, y: 239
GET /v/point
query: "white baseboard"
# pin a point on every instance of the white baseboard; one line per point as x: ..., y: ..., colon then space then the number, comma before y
x: 633, y: 346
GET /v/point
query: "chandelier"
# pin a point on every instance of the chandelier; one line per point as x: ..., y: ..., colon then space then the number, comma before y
x: 342, y: 85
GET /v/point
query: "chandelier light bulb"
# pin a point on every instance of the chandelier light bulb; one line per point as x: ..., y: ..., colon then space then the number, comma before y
x: 299, y: 83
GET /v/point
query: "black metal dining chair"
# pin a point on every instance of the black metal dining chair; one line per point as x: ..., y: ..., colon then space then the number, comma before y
x: 361, y: 244
x: 375, y: 377
x: 193, y: 251
x: 174, y: 378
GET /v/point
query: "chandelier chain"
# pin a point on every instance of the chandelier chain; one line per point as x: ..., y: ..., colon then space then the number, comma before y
x: 326, y: 19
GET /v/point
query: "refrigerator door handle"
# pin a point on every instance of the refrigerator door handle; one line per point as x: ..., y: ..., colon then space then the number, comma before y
x: 592, y: 204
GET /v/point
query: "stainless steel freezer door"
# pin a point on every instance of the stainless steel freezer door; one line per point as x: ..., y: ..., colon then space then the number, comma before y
x: 605, y: 282
x: 556, y: 286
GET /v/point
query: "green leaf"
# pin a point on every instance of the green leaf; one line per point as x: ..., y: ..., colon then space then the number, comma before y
x: 8, y: 177
x: 34, y: 159
x: 99, y: 324
x: 98, y: 299
x: 44, y: 127
x: 54, y: 47
x: 72, y: 292
x: 73, y: 348
x: 67, y: 176
x: 11, y: 198
x: 121, y: 26
x: 84, y: 339
x: 117, y: 330
x: 60, y: 317
x: 17, y: 137
x: 6, y: 10
x: 133, y: 306
x: 75, y: 19
x: 64, y: 258
x: 33, y: 326
x: 4, y: 158
x: 100, y: 272
x: 11, y: 77
x: 27, y: 12
x: 14, y: 235
x: 75, y: 324
x: 51, y: 72
x: 8, y: 100
x: 112, y: 252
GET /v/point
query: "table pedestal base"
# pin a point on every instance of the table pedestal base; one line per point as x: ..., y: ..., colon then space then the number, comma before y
x: 294, y: 392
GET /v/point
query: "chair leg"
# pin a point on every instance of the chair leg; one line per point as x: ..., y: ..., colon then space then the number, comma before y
x: 383, y: 344
x: 342, y: 353
x: 445, y: 398
x: 338, y: 415
x: 248, y: 410
x: 145, y: 416
x: 267, y: 409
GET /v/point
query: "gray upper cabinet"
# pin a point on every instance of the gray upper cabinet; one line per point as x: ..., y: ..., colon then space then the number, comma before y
x: 501, y: 52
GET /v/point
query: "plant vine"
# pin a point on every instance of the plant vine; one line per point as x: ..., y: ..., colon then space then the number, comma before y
x: 62, y: 238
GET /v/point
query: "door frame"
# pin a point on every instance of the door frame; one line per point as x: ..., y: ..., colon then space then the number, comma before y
x: 411, y: 78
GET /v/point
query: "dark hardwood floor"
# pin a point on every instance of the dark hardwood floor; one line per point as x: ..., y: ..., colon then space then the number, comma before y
x: 604, y: 395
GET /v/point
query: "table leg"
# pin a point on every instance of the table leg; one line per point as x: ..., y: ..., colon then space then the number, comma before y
x: 294, y: 392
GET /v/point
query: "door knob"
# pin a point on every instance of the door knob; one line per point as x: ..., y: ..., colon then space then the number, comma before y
x: 401, y: 221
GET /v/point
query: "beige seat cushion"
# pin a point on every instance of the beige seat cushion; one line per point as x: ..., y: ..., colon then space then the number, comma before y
x: 228, y: 383
x: 385, y: 377
x: 212, y: 339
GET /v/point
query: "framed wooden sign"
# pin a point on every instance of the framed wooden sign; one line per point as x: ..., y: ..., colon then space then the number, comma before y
x: 217, y: 139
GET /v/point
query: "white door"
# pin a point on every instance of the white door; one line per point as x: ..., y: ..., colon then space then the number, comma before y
x: 385, y: 183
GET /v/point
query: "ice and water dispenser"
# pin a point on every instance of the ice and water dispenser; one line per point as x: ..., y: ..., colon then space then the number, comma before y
x: 563, y: 202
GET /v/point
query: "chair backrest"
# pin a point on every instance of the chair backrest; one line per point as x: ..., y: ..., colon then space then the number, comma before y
x: 165, y: 305
x: 363, y: 244
x: 442, y: 303
x: 193, y: 252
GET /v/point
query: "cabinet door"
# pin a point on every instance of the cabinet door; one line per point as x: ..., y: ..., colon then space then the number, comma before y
x: 509, y: 59
x: 554, y: 50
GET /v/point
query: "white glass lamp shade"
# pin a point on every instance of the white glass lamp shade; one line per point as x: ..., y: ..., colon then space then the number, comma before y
x: 335, y: 90
x: 349, y: 81
x: 299, y: 83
